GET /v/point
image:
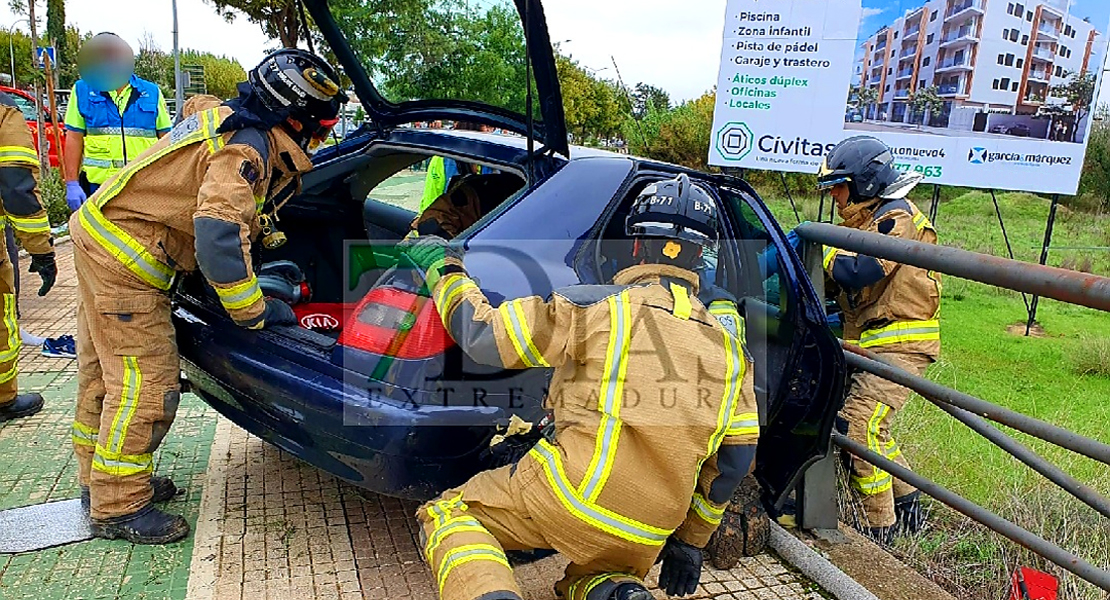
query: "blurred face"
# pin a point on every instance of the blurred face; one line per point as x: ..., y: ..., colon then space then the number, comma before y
x: 841, y: 194
x: 106, y: 63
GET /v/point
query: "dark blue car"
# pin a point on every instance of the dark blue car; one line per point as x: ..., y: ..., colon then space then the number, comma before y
x: 375, y: 391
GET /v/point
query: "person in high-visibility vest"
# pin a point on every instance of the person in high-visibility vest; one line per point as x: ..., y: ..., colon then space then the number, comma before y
x: 113, y: 116
x: 197, y: 200
x: 888, y: 308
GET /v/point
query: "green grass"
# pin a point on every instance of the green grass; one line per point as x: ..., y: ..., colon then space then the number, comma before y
x: 1062, y: 378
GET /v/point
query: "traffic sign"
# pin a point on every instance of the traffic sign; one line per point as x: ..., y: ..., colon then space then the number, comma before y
x: 40, y: 51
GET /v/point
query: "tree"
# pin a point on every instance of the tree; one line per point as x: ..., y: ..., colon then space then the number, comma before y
x: 864, y: 98
x: 926, y: 101
x: 680, y: 135
x: 647, y: 98
x: 278, y: 18
x: 56, y: 31
x: 1078, y: 92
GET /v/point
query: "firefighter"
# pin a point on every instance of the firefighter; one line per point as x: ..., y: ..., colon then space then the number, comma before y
x: 22, y: 209
x: 196, y: 199
x: 641, y: 465
x: 888, y: 308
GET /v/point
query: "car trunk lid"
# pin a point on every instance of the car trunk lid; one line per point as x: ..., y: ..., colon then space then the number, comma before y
x: 401, y: 79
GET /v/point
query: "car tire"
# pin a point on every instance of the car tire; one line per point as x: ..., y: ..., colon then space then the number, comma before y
x: 745, y: 527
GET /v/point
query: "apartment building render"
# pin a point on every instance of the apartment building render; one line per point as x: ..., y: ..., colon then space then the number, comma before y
x: 983, y: 56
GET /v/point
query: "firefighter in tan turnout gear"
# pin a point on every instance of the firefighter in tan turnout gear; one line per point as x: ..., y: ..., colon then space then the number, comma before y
x: 198, y: 198
x: 889, y: 308
x: 22, y: 210
x: 650, y: 442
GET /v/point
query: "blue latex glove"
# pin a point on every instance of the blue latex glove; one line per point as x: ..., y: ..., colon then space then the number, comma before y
x: 75, y: 196
x: 794, y: 241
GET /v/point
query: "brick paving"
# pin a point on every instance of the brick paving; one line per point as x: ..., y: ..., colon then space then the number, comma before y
x: 266, y: 526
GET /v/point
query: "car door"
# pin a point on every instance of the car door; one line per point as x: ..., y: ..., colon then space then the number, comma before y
x: 801, y: 380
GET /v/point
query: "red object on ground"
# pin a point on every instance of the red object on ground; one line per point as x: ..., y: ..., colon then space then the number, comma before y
x: 1041, y: 586
x: 321, y: 316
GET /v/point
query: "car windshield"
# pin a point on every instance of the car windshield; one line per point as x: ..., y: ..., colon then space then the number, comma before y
x: 25, y: 106
x: 472, y: 50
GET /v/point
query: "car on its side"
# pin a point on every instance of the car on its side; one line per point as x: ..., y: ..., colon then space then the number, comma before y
x: 26, y: 104
x: 372, y: 389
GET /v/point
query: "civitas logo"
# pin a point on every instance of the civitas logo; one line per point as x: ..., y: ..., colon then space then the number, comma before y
x: 320, y: 322
x: 734, y: 141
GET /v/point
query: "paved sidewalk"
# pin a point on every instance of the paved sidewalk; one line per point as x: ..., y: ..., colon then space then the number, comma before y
x: 267, y: 527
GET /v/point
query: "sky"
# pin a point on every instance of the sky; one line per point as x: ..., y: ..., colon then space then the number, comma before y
x: 652, y: 41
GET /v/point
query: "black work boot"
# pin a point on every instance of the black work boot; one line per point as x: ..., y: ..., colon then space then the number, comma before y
x: 23, y: 405
x: 911, y: 519
x: 149, y: 526
x: 164, y: 491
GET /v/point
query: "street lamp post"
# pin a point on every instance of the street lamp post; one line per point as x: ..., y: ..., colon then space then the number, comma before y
x: 11, y: 46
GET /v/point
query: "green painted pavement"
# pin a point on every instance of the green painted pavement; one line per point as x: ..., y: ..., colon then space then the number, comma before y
x: 37, y: 465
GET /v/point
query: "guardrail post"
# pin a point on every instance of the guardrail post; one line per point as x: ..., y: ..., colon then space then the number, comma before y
x: 817, y: 496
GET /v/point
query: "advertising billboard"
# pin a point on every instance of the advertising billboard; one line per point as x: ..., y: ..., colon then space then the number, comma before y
x: 979, y: 93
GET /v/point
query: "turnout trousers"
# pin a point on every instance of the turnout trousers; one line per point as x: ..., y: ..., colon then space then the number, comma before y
x: 10, y: 341
x: 467, y: 530
x: 869, y: 410
x: 128, y: 375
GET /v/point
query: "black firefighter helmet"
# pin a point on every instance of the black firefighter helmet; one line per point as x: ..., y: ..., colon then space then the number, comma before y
x: 864, y: 163
x: 672, y: 221
x: 301, y: 87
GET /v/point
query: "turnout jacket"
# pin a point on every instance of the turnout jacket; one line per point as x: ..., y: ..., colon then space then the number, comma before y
x: 889, y: 306
x: 19, y: 176
x: 193, y: 200
x: 650, y: 389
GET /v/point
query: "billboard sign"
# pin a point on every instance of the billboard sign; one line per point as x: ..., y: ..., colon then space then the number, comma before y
x: 979, y: 93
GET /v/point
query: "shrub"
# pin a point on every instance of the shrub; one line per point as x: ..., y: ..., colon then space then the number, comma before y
x: 53, y: 190
x: 1090, y: 356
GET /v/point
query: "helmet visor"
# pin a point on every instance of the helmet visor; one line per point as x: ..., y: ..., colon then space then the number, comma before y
x: 832, y: 181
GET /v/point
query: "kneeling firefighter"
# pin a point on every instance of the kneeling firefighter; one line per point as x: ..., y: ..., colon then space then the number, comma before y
x: 888, y: 308
x: 639, y: 469
x: 197, y: 198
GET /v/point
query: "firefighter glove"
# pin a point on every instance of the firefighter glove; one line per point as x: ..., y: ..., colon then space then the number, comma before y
x: 278, y: 313
x: 44, y: 265
x: 75, y: 196
x: 681, y: 570
x: 430, y: 254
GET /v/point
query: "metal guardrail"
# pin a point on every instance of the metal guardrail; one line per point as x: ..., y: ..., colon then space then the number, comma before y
x: 817, y: 495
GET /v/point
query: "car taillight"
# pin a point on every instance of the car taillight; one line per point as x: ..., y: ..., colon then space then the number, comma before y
x: 397, y: 323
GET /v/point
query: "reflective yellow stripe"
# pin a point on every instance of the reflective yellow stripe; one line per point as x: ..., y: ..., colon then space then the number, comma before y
x: 591, y: 514
x: 15, y: 341
x: 706, y: 510
x: 259, y: 204
x: 592, y: 583
x: 124, y: 247
x: 921, y: 221
x: 240, y: 296
x: 906, y: 331
x: 39, y: 224
x: 879, y: 481
x: 743, y: 424
x: 830, y: 256
x: 132, y: 384
x: 449, y: 528
x: 682, y: 307
x: 83, y: 435
x: 448, y: 293
x: 464, y: 554
x: 19, y: 155
x: 121, y: 465
x: 520, y: 335
x: 729, y: 317
x: 610, y: 398
x: 10, y: 374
